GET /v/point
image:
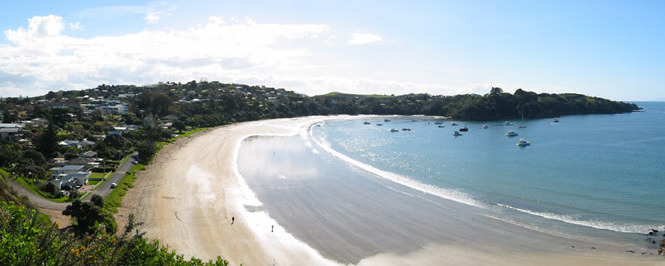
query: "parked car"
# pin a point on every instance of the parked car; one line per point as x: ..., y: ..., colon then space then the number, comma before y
x: 113, y: 185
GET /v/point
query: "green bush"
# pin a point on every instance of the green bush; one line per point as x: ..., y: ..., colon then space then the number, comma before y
x: 26, y: 238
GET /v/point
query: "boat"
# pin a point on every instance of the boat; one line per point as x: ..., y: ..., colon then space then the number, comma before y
x: 406, y: 129
x: 464, y: 128
x: 522, y: 125
x: 441, y: 126
x: 366, y: 123
x: 511, y: 133
x: 453, y: 123
x: 485, y: 126
x: 394, y: 130
x: 523, y: 142
x: 456, y: 133
x: 438, y: 123
x: 556, y: 120
x: 508, y: 123
x: 386, y: 120
x: 379, y: 124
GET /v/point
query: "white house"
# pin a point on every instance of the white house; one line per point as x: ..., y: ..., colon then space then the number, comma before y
x: 67, y: 169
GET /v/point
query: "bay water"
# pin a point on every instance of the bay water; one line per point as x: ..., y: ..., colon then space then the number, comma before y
x: 598, y: 178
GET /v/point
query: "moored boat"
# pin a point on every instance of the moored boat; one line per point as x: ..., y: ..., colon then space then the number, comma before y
x: 511, y: 133
x: 523, y: 142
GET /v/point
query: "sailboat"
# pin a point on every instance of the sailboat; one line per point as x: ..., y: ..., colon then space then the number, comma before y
x: 521, y: 125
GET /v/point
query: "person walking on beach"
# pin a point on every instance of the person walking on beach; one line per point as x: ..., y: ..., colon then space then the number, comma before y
x: 272, y: 229
x: 233, y: 219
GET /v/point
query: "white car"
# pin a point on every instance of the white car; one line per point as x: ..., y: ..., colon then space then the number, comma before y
x: 113, y: 185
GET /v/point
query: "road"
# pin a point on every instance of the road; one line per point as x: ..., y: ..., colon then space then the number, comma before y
x: 103, y: 190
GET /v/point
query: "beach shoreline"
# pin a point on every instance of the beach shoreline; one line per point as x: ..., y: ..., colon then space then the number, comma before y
x: 188, y: 196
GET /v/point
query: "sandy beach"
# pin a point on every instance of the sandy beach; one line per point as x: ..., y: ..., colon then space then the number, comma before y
x: 193, y: 200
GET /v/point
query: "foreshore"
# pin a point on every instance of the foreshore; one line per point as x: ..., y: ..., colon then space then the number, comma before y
x: 193, y: 200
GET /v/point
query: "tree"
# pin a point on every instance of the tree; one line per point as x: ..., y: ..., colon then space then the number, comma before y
x: 48, y: 142
x: 146, y: 151
x: 179, y: 125
x: 97, y: 200
x: 86, y: 215
x: 36, y: 157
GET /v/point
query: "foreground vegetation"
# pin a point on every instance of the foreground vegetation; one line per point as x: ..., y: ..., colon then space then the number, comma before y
x: 26, y: 238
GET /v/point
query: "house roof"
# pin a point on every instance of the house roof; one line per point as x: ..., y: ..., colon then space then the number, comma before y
x: 69, y: 167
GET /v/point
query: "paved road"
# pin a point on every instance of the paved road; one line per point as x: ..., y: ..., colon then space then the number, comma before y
x: 103, y: 190
x: 36, y: 200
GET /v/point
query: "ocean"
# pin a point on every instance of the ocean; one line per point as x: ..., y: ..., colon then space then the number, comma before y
x: 594, y: 178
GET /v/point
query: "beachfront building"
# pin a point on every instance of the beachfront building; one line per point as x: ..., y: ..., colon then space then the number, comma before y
x: 71, y: 181
x: 67, y: 169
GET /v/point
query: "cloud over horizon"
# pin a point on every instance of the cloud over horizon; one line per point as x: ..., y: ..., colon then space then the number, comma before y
x: 41, y: 58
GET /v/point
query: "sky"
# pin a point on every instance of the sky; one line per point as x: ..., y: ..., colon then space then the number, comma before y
x: 611, y: 49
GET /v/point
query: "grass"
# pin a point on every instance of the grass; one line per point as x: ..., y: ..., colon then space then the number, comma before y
x: 114, y: 199
x: 32, y: 187
x: 184, y: 134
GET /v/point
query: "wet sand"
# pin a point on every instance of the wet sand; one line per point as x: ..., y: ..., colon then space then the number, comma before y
x: 190, y: 192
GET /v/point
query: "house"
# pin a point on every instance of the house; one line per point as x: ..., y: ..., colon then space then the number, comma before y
x: 70, y: 143
x: 89, y: 154
x: 70, y: 181
x: 87, y: 144
x: 67, y: 169
x: 77, y: 179
x: 10, y: 134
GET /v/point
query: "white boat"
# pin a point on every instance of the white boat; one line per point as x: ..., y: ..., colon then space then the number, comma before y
x: 521, y: 126
x: 485, y: 126
x: 556, y: 120
x: 511, y: 133
x: 394, y: 130
x: 457, y: 133
x: 523, y: 142
x: 508, y: 123
x: 453, y: 123
x: 464, y: 128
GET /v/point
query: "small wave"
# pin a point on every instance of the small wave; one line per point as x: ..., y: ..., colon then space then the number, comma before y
x: 448, y: 194
x: 604, y: 225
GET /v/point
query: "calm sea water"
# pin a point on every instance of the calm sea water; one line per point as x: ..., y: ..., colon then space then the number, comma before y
x: 592, y: 174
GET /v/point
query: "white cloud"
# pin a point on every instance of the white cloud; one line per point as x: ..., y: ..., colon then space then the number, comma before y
x: 364, y: 38
x: 152, y: 17
x: 215, y: 49
x: 235, y: 50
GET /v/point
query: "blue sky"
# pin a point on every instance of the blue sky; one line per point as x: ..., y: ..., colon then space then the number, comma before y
x: 611, y: 49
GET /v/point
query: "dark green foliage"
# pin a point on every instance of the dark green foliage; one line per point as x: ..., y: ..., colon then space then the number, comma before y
x: 97, y: 200
x: 48, y: 142
x: 37, y: 157
x: 9, y: 154
x: 146, y: 150
x: 26, y: 238
x: 50, y: 188
x: 86, y: 215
